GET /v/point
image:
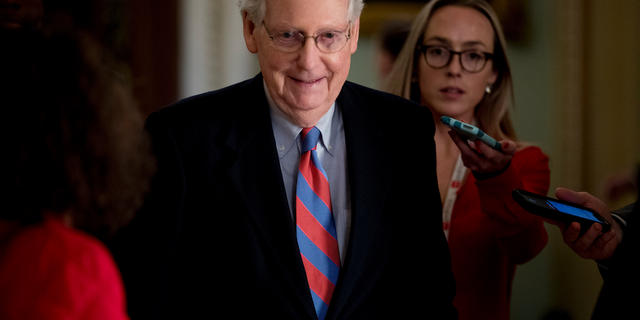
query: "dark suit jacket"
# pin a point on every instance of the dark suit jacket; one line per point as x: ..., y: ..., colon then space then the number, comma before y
x: 621, y: 290
x: 216, y: 235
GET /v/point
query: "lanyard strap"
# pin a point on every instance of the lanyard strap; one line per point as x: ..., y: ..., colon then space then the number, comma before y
x: 452, y: 193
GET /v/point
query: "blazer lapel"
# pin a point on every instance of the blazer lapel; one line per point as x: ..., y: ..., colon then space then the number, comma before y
x: 369, y: 176
x: 257, y: 178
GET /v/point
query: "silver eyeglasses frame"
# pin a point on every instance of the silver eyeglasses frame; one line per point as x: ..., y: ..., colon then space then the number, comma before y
x: 303, y: 39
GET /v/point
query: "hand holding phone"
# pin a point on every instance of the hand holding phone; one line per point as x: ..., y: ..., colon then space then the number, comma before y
x: 591, y: 243
x: 559, y: 210
x: 470, y: 132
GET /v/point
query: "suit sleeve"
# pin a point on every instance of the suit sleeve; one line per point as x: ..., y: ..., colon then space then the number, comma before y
x: 443, y: 275
x: 623, y: 214
x: 144, y: 249
x: 619, y: 295
x: 520, y: 235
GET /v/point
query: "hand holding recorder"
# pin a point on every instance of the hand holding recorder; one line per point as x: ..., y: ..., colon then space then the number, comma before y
x: 489, y: 155
x: 585, y: 221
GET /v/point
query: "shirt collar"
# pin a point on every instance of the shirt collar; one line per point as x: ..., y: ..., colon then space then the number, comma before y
x: 286, y: 132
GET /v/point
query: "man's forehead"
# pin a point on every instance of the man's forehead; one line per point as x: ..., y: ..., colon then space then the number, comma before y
x: 297, y: 12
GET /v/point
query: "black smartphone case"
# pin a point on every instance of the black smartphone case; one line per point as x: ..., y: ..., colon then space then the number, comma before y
x: 520, y: 197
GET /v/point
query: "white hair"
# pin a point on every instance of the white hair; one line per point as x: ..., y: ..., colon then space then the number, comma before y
x: 256, y: 9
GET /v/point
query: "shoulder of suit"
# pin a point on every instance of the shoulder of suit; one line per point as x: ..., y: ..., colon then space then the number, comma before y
x: 234, y: 101
x: 369, y: 94
x: 208, y: 99
x: 393, y: 104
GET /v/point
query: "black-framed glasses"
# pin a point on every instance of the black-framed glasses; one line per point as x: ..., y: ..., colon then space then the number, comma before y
x: 438, y: 57
x: 329, y: 42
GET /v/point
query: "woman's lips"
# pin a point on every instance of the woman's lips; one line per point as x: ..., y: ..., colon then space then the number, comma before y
x: 452, y: 93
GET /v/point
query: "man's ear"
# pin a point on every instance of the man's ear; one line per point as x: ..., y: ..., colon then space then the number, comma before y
x: 355, y: 32
x: 248, y: 30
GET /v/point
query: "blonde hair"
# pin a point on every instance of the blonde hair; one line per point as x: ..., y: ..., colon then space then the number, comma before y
x: 492, y: 112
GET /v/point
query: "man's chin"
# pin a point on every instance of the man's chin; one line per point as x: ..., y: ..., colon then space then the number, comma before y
x: 306, y: 113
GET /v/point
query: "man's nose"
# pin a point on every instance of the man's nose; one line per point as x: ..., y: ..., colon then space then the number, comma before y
x: 309, y: 53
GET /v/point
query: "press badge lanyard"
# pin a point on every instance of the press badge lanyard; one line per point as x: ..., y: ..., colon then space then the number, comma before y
x: 452, y: 193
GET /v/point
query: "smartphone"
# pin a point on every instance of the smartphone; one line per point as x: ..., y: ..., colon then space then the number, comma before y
x: 470, y: 132
x: 559, y: 210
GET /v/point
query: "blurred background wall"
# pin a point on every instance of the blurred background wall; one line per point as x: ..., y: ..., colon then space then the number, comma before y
x: 576, y: 68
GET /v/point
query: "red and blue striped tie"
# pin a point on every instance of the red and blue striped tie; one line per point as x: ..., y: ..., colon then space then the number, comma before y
x: 316, y: 230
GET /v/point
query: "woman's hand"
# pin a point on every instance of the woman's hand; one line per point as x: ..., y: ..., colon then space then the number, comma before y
x: 482, y: 158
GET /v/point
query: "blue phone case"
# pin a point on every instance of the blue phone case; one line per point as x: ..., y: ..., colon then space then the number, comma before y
x: 470, y: 132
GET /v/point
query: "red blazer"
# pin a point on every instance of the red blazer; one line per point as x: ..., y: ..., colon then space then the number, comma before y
x: 50, y: 271
x: 490, y: 234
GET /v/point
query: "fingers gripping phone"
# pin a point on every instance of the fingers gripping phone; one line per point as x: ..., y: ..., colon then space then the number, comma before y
x: 562, y: 211
x: 470, y: 132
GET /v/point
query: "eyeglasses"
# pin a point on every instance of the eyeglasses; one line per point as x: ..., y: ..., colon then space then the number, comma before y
x: 329, y: 42
x: 438, y: 57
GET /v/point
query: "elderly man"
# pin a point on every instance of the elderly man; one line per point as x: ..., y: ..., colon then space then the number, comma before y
x: 293, y: 195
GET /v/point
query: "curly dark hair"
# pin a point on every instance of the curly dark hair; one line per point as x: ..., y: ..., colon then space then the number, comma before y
x: 74, y: 136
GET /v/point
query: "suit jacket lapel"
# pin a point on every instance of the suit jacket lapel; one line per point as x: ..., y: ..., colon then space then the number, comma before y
x: 369, y: 176
x: 257, y: 178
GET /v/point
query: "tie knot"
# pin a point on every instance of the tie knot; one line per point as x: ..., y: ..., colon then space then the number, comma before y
x: 310, y: 138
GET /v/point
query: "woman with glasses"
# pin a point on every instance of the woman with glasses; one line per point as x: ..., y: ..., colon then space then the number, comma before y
x: 454, y: 62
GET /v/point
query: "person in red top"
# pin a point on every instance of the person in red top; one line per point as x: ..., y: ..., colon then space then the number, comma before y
x: 52, y: 271
x: 454, y: 62
x: 74, y: 172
